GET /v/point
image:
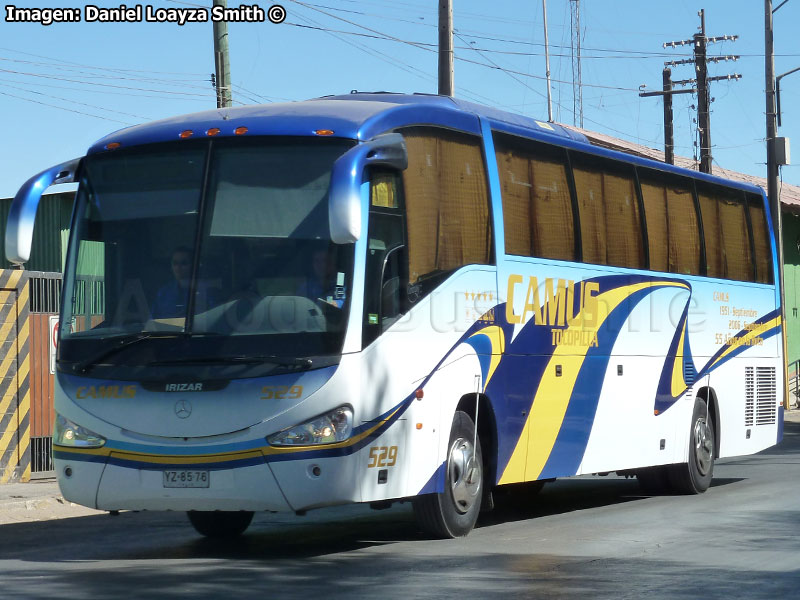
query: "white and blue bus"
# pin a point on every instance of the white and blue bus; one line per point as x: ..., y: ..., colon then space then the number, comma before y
x: 380, y: 297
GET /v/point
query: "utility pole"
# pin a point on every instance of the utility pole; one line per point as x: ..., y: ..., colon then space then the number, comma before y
x: 773, y: 194
x: 547, y: 65
x: 446, y: 47
x: 222, y: 64
x: 700, y: 42
x: 667, y: 93
x: 669, y: 140
x: 703, y: 97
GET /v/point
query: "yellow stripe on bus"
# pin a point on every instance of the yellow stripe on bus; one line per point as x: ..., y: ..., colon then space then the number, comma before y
x: 554, y: 392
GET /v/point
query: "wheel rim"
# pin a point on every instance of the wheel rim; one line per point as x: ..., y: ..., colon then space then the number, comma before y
x: 463, y: 474
x: 703, y: 446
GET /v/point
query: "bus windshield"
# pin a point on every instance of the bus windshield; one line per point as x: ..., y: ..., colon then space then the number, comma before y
x: 211, y: 251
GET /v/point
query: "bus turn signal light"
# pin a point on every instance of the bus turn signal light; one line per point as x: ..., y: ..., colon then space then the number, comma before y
x: 212, y: 132
x: 186, y: 134
x: 113, y: 146
x: 324, y: 132
x: 240, y: 130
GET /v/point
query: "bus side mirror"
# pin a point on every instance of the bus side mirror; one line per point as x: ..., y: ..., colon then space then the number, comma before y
x: 344, y: 198
x: 21, y: 216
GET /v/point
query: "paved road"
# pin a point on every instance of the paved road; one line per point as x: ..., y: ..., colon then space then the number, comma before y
x: 586, y: 537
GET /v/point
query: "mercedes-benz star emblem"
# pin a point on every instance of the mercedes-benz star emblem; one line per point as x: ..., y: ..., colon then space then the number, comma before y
x: 183, y: 409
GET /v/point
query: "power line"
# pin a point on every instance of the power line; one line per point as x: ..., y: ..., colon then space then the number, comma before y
x: 376, y: 54
x: 64, y: 108
x: 109, y: 92
x: 391, y: 60
x: 507, y: 72
x: 119, y: 112
x: 115, y: 69
x: 101, y: 84
x: 89, y: 74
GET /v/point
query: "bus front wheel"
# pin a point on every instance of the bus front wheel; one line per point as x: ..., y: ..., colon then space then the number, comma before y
x: 220, y: 524
x: 694, y: 476
x: 453, y: 512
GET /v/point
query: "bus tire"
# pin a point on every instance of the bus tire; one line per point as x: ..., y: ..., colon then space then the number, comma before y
x: 220, y: 524
x: 694, y: 476
x: 453, y: 512
x: 655, y: 480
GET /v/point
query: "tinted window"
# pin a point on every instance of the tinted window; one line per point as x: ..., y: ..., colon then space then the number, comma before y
x: 447, y: 202
x: 537, y: 207
x: 761, y: 245
x: 609, y: 213
x: 672, y: 229
x: 728, y: 252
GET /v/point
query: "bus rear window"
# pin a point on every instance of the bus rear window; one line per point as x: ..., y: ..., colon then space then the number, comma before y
x: 761, y: 245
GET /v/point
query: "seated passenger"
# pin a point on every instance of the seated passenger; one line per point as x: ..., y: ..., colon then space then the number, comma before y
x: 172, y: 298
x: 322, y: 283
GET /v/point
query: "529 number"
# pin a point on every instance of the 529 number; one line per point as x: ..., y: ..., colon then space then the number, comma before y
x: 281, y: 392
x: 382, y: 456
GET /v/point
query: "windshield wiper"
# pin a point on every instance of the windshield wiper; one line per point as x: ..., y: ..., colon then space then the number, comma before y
x: 87, y: 363
x: 284, y: 361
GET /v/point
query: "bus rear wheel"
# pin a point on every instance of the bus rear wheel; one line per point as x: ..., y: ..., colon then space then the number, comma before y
x: 219, y: 524
x: 694, y: 476
x: 453, y: 512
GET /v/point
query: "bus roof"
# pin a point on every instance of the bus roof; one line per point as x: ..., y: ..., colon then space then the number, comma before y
x: 361, y: 116
x: 357, y: 116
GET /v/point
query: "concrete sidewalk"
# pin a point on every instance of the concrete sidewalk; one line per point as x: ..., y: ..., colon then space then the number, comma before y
x: 38, y: 500
x: 41, y: 499
x: 16, y: 496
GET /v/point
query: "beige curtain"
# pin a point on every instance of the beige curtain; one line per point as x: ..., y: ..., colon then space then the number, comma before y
x: 709, y: 211
x: 735, y: 239
x: 446, y: 202
x: 537, y: 208
x: 727, y: 239
x: 609, y: 213
x: 655, y: 211
x: 589, y: 187
x: 623, y: 225
x: 758, y: 218
x: 684, y: 232
x: 516, y: 186
x: 551, y: 221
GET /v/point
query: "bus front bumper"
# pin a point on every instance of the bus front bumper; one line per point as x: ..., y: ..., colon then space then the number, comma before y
x: 108, y: 486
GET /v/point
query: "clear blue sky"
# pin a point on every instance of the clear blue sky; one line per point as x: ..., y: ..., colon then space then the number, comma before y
x: 66, y: 85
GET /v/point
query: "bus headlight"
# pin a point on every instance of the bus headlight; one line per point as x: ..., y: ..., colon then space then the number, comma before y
x: 67, y: 433
x: 329, y: 428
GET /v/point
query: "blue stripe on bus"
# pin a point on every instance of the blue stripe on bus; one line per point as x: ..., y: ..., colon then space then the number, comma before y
x: 570, y: 446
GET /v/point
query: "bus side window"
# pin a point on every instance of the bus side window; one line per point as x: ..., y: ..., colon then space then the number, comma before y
x: 728, y: 252
x: 393, y: 286
x: 763, y: 251
x: 673, y: 233
x: 537, y: 207
x: 386, y: 276
x: 447, y: 205
x: 608, y: 207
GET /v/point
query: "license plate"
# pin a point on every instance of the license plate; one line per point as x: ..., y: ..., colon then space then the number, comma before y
x: 186, y: 479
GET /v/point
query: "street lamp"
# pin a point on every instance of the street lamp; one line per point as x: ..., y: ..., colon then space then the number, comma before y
x: 778, y: 88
